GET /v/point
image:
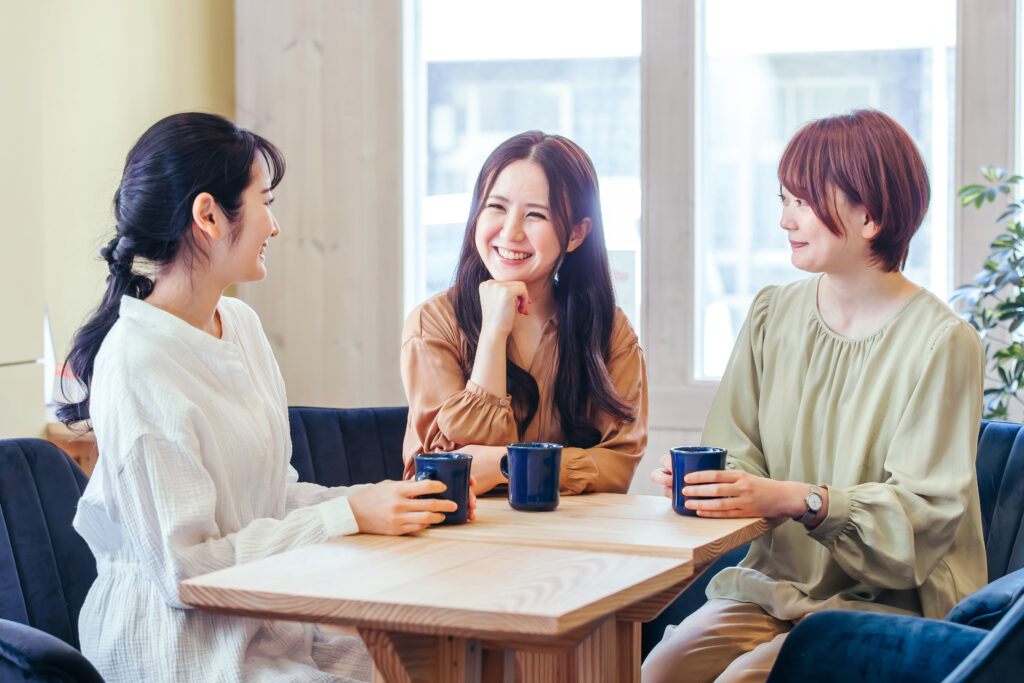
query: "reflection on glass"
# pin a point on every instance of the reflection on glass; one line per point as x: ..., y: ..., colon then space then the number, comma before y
x: 561, y: 68
x: 786, y: 63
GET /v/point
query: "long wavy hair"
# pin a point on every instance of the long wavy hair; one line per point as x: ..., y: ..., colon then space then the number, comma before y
x: 581, y: 282
x: 171, y: 164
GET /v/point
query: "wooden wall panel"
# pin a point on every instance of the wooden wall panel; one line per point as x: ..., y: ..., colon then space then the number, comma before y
x: 323, y: 81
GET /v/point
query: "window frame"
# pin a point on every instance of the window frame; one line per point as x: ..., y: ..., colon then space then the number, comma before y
x: 986, y: 130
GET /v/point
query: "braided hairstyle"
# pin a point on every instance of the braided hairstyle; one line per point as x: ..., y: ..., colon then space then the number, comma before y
x: 171, y: 164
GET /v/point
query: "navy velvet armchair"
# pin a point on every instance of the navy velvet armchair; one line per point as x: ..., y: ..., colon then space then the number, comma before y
x: 45, y: 567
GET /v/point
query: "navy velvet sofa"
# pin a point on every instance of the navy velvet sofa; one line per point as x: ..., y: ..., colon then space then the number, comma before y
x: 46, y: 569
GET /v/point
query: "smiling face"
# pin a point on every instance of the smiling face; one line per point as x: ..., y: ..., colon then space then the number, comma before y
x: 815, y: 248
x: 515, y: 235
x: 256, y: 225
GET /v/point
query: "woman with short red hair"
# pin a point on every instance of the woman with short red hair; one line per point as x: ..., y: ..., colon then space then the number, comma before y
x: 851, y: 406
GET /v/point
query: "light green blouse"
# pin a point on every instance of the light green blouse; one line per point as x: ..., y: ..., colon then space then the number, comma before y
x: 889, y: 422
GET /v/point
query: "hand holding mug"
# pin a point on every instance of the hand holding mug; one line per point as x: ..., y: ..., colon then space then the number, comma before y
x: 741, y: 494
x: 688, y: 460
x: 396, y: 507
x: 452, y: 469
x: 662, y: 476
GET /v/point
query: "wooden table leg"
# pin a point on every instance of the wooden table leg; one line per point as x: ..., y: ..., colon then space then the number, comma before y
x: 592, y: 659
x: 498, y: 666
x: 414, y: 658
x: 628, y: 648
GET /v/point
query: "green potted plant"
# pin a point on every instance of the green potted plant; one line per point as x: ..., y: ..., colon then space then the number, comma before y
x: 995, y: 301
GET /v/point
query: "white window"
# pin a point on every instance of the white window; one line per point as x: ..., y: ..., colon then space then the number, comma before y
x: 1019, y: 168
x: 685, y: 115
x: 481, y: 72
x: 760, y: 80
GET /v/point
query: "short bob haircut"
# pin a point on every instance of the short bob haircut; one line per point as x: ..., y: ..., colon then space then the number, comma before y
x: 873, y: 161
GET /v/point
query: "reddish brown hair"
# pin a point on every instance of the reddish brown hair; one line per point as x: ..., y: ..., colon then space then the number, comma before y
x: 874, y: 162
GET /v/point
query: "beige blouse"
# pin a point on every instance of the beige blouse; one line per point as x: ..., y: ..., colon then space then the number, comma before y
x: 889, y: 422
x: 447, y: 411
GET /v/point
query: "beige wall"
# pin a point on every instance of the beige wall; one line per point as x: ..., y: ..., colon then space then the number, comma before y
x: 80, y: 82
x: 21, y: 298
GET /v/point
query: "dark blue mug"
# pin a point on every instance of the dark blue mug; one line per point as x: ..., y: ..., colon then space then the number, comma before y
x: 686, y: 459
x: 533, y: 471
x: 453, y: 470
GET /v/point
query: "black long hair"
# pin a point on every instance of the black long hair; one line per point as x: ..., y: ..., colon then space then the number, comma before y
x: 582, y: 286
x: 175, y: 160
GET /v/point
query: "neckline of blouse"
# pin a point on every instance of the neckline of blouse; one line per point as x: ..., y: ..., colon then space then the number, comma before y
x: 137, y: 309
x: 813, y: 294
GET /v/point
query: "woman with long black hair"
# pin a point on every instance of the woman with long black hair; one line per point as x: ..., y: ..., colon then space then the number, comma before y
x: 190, y: 416
x: 528, y: 345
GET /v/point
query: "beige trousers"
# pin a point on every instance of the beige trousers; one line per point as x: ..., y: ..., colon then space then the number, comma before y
x: 724, y: 641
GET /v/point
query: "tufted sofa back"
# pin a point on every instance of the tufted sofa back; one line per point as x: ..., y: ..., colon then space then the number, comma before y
x: 45, y: 566
x: 346, y: 446
x: 1001, y: 489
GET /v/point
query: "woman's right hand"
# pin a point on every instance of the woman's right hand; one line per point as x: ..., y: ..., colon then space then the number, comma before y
x: 392, y: 508
x: 663, y: 475
x: 500, y: 302
x: 486, y: 466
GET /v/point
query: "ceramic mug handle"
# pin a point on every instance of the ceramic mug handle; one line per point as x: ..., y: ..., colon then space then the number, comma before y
x: 503, y: 465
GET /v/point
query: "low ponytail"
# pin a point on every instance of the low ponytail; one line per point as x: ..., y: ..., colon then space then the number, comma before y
x: 122, y: 280
x: 176, y: 159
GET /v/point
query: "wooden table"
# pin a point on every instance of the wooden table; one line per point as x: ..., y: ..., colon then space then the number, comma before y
x: 513, y: 596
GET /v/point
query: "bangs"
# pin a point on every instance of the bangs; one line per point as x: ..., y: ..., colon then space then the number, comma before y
x: 275, y: 160
x: 802, y: 170
x: 807, y: 171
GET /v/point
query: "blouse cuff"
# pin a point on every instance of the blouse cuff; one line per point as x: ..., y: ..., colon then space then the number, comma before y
x: 835, y: 522
x: 337, y: 517
x: 578, y: 470
x: 486, y: 397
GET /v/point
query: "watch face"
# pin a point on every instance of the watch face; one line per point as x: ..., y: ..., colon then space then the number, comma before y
x: 814, y: 501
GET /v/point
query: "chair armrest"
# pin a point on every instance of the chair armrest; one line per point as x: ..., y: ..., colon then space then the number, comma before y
x: 848, y: 645
x: 986, y: 606
x: 999, y: 656
x: 29, y: 654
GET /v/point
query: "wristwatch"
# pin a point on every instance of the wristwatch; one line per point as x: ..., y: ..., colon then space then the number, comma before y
x: 814, y: 502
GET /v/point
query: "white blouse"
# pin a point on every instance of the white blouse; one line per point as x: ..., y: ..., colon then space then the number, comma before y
x: 193, y: 476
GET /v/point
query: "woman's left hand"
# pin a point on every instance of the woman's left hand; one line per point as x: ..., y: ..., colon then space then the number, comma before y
x: 663, y: 475
x: 741, y: 494
x: 472, y: 498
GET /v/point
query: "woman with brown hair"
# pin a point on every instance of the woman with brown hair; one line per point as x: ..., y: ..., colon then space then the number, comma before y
x: 528, y: 344
x: 851, y: 406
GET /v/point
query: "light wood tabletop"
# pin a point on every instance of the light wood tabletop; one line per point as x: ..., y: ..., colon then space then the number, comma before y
x: 608, y: 522
x: 512, y: 596
x: 437, y: 586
